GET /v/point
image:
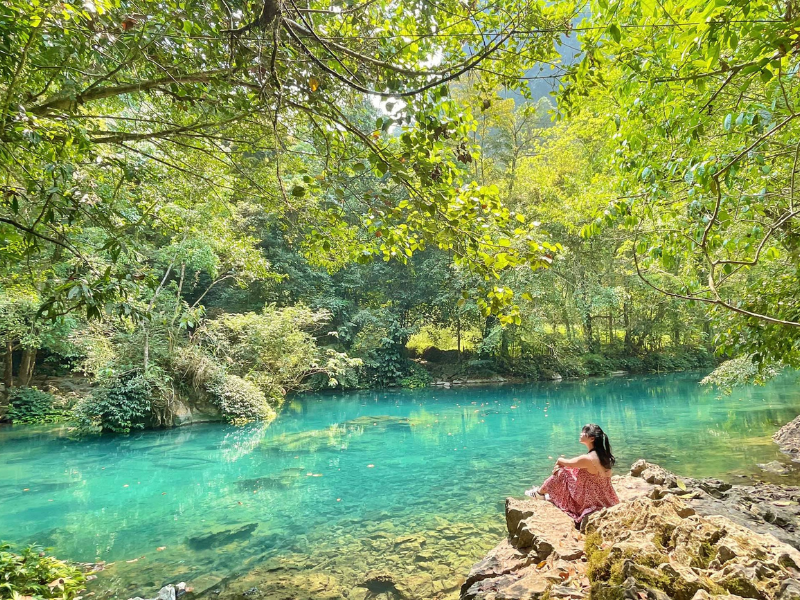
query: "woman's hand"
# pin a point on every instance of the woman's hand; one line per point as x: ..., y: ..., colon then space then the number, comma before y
x: 556, y: 468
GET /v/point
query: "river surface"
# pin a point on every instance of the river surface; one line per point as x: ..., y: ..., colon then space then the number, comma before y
x: 407, y: 482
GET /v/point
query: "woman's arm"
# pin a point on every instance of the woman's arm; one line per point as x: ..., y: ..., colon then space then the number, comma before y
x: 579, y: 462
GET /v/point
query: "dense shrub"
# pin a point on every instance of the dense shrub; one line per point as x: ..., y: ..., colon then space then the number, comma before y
x: 123, y: 403
x: 35, y: 574
x: 416, y: 378
x: 597, y: 364
x: 31, y: 405
x: 274, y: 349
x: 240, y: 400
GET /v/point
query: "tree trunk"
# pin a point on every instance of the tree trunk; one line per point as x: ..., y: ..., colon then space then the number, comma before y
x: 458, y: 335
x: 8, y: 372
x: 588, y: 332
x: 610, y: 327
x: 27, y: 366
x: 146, y: 348
x: 626, y: 319
x: 567, y: 324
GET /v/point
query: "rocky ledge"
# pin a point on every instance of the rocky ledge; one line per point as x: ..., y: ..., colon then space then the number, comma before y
x: 670, y: 537
x: 788, y: 439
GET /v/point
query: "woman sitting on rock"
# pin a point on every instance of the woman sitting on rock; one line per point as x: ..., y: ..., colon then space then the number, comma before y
x: 581, y: 485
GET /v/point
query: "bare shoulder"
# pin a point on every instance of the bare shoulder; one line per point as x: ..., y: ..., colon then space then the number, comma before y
x: 597, y: 466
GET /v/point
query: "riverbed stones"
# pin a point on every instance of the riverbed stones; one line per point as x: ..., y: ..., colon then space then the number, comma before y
x: 775, y: 467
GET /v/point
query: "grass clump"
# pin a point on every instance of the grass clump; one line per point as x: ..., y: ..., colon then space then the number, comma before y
x: 34, y: 574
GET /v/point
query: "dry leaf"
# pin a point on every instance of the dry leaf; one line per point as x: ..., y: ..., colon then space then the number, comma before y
x: 541, y: 564
x: 643, y: 595
x: 161, y: 548
x: 59, y: 583
x: 681, y: 485
x: 784, y: 502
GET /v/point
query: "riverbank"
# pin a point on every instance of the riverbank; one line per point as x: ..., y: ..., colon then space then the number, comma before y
x: 669, y: 537
x: 55, y: 398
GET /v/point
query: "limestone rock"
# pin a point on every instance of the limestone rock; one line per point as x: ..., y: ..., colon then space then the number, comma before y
x: 789, y: 590
x: 668, y: 539
x: 502, y: 560
x: 542, y: 529
x: 788, y: 438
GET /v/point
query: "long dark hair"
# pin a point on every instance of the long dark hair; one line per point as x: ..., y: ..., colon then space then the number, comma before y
x: 602, y: 447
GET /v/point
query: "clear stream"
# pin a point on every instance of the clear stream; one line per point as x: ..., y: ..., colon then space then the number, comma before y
x: 409, y: 481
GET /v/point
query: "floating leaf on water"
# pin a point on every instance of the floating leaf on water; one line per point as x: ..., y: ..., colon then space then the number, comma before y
x: 26, y: 490
x: 370, y: 466
x: 161, y: 548
x: 126, y: 485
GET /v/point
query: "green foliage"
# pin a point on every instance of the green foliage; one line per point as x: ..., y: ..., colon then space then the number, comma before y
x: 704, y: 138
x: 738, y: 372
x: 274, y: 349
x: 417, y: 378
x: 118, y: 118
x: 35, y: 574
x: 120, y: 405
x: 33, y: 406
x: 240, y: 400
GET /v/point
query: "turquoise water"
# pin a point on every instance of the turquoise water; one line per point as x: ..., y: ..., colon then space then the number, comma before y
x: 343, y: 483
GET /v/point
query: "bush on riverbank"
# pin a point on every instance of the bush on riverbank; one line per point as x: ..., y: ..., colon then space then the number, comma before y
x: 122, y: 404
x: 30, y: 405
x: 34, y: 574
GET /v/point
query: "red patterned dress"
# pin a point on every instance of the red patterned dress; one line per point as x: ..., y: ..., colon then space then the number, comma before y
x: 578, y: 492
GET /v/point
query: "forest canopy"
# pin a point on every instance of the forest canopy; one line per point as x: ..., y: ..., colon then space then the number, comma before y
x: 236, y: 200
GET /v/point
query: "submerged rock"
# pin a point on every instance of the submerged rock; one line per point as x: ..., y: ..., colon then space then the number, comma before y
x: 775, y: 467
x: 223, y: 537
